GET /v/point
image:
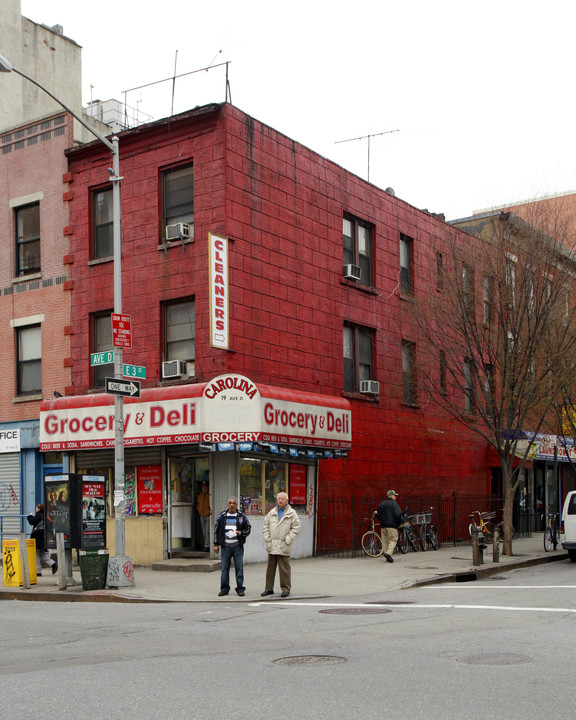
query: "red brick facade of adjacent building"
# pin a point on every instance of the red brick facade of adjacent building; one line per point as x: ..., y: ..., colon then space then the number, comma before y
x: 34, y: 171
x: 282, y: 207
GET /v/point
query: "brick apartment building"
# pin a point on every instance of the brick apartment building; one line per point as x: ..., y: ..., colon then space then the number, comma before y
x: 274, y: 322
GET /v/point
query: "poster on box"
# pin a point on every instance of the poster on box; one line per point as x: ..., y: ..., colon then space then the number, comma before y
x: 150, y: 489
x: 130, y: 494
x: 57, y: 519
x: 297, y: 484
x: 93, y: 520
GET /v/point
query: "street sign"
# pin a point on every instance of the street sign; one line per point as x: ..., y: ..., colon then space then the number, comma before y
x: 102, y: 358
x: 134, y: 371
x: 121, y: 331
x: 117, y: 386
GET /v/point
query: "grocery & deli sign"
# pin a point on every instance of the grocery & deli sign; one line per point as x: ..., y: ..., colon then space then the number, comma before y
x: 229, y: 408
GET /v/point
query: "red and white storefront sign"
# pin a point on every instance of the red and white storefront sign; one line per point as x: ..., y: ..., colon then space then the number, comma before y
x: 229, y: 408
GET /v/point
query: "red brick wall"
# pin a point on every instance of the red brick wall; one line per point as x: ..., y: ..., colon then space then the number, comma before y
x: 35, y: 168
x: 282, y: 207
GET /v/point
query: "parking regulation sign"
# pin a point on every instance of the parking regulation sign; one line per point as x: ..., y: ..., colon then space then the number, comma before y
x: 121, y: 331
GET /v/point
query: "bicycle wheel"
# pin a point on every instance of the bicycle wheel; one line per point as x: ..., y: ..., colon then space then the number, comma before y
x: 372, y: 544
x: 412, y: 539
x: 433, y: 537
x: 422, y: 535
x: 548, y: 541
x: 402, y: 543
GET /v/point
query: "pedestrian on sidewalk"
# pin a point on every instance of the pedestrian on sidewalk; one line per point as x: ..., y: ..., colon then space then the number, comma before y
x: 280, y: 528
x: 389, y: 515
x: 42, y: 554
x: 230, y: 533
x: 203, y: 507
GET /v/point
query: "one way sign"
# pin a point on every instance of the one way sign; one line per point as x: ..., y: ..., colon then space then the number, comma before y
x: 115, y: 386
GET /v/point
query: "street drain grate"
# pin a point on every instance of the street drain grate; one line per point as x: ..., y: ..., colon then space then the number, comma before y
x: 495, y: 659
x: 355, y: 611
x: 310, y: 660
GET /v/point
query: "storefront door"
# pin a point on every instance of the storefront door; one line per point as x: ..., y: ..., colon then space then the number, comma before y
x: 186, y: 475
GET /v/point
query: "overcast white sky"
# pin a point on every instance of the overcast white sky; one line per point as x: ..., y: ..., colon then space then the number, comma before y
x: 482, y: 93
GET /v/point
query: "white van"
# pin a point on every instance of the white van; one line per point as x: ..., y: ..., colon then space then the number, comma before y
x: 569, y: 525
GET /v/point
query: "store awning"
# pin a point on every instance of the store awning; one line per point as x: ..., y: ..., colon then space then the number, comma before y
x: 228, y: 409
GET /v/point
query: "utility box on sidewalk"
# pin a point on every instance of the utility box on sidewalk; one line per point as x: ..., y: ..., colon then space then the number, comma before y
x: 94, y: 568
x: 12, y: 562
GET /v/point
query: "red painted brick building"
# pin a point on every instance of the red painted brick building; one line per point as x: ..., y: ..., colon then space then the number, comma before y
x: 321, y: 267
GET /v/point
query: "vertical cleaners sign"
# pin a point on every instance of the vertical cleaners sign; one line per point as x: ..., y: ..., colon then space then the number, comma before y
x: 218, y: 253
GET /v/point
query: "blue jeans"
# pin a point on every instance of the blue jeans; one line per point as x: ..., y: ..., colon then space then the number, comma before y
x: 226, y: 554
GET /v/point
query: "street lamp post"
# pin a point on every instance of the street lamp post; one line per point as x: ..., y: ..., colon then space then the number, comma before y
x: 120, y: 571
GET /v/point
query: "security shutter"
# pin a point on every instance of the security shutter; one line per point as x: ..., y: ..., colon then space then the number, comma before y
x: 10, y: 495
x: 105, y: 458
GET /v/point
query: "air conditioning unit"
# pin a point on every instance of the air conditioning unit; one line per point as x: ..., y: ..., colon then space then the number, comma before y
x: 352, y: 272
x: 179, y: 231
x: 173, y: 369
x: 370, y: 387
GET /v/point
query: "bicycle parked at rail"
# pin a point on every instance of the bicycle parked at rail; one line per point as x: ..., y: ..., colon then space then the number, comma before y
x: 428, y: 533
x: 406, y: 535
x: 483, y: 521
x: 551, y: 532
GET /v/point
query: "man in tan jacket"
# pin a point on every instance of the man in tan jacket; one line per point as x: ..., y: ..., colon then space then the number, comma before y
x: 281, y: 526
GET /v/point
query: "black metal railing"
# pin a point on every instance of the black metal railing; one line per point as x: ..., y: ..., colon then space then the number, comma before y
x: 342, y: 521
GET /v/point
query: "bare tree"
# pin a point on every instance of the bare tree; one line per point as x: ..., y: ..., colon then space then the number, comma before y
x: 494, y: 341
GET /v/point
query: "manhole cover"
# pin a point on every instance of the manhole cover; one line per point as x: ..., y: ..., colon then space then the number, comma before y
x: 310, y: 660
x: 495, y: 659
x: 355, y: 611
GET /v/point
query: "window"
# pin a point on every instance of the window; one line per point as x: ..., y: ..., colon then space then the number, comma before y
x: 406, y: 245
x: 27, y: 220
x: 262, y: 480
x: 29, y: 361
x: 489, y: 389
x: 439, y: 272
x: 102, y: 340
x: 468, y: 386
x: 511, y: 261
x: 102, y: 224
x: 357, y: 238
x: 178, y: 197
x: 488, y: 300
x: 409, y: 388
x: 468, y: 292
x: 358, y: 354
x: 443, y: 385
x: 179, y: 331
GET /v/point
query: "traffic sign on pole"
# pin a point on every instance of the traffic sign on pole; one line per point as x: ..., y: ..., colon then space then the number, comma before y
x: 102, y: 358
x: 134, y: 371
x: 121, y: 330
x: 117, y: 386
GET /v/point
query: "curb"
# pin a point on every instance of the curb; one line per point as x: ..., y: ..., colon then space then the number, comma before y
x: 479, y: 573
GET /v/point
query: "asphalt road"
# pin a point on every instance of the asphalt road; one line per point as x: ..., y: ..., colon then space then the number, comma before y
x: 500, y: 648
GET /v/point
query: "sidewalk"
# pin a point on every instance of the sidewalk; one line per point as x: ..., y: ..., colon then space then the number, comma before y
x: 317, y: 577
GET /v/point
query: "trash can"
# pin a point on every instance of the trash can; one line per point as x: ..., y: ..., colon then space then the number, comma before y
x: 94, y: 568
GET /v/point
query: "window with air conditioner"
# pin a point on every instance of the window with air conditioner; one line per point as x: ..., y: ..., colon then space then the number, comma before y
x: 357, y: 245
x: 358, y: 356
x: 178, y: 200
x: 179, y: 351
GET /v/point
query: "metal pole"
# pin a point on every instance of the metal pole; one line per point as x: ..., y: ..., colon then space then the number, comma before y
x: 119, y: 496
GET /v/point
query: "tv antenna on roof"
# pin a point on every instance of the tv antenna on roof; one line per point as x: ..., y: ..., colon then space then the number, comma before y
x: 364, y: 137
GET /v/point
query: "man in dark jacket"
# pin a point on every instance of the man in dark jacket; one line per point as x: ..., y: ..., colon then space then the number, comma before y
x: 389, y: 514
x: 230, y: 533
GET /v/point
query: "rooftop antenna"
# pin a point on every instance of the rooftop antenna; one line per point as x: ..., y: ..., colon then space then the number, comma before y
x: 174, y: 83
x: 364, y: 137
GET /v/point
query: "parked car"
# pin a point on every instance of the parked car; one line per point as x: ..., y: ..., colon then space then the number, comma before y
x: 569, y: 525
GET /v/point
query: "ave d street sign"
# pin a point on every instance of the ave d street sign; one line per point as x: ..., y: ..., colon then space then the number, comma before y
x: 107, y: 358
x: 116, y: 386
